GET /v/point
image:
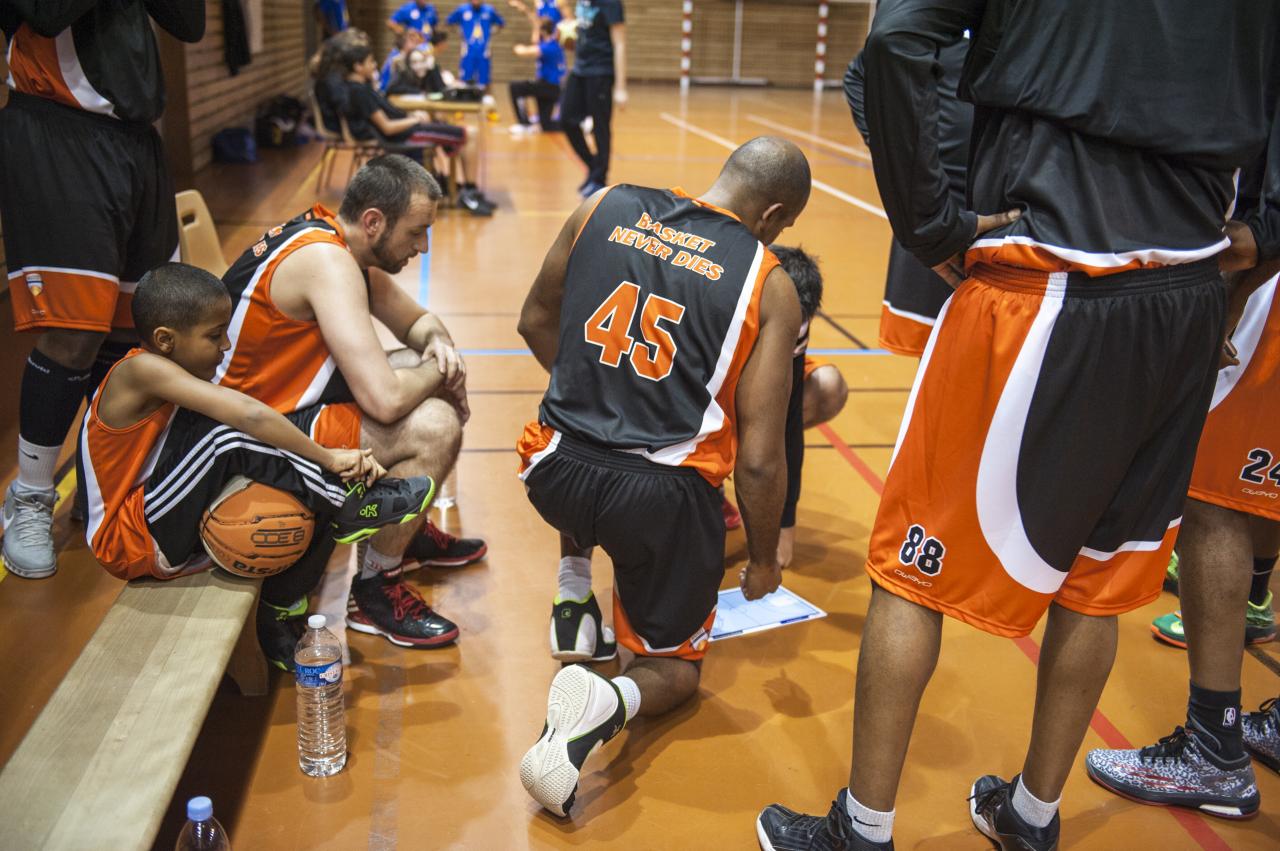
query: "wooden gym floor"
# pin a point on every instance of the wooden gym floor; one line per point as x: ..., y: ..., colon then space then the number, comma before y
x: 436, y: 736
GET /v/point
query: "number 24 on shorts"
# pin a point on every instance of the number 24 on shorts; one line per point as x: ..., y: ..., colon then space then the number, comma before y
x: 610, y: 325
x: 1260, y: 460
x: 922, y: 551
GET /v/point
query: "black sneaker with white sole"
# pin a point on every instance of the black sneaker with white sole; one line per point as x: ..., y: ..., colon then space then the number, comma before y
x: 584, y: 710
x: 781, y: 829
x: 475, y: 203
x: 1178, y: 771
x: 434, y: 547
x: 991, y: 808
x: 386, y: 605
x: 578, y: 633
x: 1261, y: 731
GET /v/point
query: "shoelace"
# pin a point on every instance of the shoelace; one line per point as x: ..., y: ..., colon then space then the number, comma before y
x: 837, y: 821
x: 1170, y: 747
x: 983, y: 800
x: 28, y: 528
x: 405, y: 601
x: 438, y: 536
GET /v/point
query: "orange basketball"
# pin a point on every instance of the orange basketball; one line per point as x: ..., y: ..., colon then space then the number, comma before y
x: 254, y: 530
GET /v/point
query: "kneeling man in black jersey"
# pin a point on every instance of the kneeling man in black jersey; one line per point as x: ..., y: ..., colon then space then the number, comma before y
x: 668, y: 329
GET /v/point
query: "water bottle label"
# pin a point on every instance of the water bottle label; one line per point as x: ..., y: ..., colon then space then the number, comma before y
x: 315, y: 676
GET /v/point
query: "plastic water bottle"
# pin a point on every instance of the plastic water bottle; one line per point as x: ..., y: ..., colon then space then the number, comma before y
x: 322, y: 725
x: 202, y: 831
x: 448, y: 496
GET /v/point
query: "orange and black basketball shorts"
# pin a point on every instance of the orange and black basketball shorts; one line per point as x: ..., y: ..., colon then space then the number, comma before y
x: 1238, y: 462
x: 1047, y: 443
x: 88, y: 209
x: 661, y: 526
x: 334, y: 425
x: 913, y: 295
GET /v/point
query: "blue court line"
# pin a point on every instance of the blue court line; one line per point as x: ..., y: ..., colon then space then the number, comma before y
x: 826, y: 352
x: 424, y: 275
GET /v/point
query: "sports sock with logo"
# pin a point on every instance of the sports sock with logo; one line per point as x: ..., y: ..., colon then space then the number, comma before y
x: 871, y: 825
x: 1262, y: 568
x: 50, y: 400
x: 630, y: 695
x: 1031, y: 809
x: 373, y: 562
x: 574, y: 579
x: 1217, y: 713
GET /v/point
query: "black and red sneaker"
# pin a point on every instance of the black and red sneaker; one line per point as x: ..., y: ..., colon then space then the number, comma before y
x: 434, y: 547
x: 386, y: 605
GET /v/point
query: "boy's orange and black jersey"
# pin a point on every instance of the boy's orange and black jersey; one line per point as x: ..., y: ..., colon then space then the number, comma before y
x: 280, y: 361
x: 660, y: 313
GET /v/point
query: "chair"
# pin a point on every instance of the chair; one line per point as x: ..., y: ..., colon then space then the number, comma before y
x: 333, y: 143
x: 197, y: 237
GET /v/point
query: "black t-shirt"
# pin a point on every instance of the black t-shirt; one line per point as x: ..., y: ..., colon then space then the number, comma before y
x: 595, y: 47
x: 362, y: 103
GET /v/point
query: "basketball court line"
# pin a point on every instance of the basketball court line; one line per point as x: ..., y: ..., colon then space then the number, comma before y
x: 424, y: 274
x: 809, y: 137
x: 1195, y: 825
x: 817, y: 184
x: 844, y: 332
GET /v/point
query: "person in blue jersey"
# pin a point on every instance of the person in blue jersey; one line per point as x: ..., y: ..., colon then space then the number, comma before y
x: 414, y: 15
x: 545, y: 89
x: 478, y: 22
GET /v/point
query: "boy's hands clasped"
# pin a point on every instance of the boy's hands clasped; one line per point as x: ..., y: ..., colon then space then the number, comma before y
x: 355, y: 465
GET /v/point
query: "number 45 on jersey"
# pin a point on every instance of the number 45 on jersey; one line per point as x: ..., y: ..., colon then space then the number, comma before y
x: 610, y: 326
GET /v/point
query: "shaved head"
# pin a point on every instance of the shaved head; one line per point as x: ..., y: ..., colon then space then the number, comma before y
x: 772, y: 169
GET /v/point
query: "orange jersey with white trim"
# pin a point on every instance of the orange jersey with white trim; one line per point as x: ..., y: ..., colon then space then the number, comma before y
x: 280, y: 361
x: 660, y: 313
x: 113, y: 464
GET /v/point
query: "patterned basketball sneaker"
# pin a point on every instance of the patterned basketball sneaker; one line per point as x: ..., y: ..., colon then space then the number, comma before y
x: 386, y: 605
x: 1171, y: 573
x: 386, y: 502
x: 28, y: 532
x: 434, y: 547
x: 279, y: 630
x: 991, y: 808
x: 577, y: 633
x: 1262, y: 733
x: 1259, y: 625
x: 1178, y: 771
x: 782, y: 829
x: 584, y: 710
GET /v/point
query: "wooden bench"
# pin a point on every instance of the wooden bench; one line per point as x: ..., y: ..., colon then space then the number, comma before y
x: 99, y: 767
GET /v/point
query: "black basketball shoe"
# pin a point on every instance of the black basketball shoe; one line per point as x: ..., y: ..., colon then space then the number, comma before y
x: 386, y: 605
x: 782, y: 829
x: 386, y: 502
x: 279, y: 630
x: 991, y: 808
x: 1261, y: 731
x: 578, y: 634
x: 434, y: 547
x: 584, y: 710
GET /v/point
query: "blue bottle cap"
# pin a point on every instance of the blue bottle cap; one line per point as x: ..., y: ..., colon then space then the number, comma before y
x: 200, y: 809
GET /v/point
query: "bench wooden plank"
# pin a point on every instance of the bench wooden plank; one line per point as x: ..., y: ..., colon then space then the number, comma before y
x: 99, y: 766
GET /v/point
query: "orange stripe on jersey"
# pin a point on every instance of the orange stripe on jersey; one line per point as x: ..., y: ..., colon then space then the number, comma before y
x: 280, y: 361
x: 588, y: 216
x: 63, y: 298
x: 902, y: 335
x: 34, y: 67
x: 714, y: 456
x: 1022, y: 253
x: 116, y: 462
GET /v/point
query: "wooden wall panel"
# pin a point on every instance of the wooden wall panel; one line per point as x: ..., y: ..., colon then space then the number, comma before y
x: 216, y: 99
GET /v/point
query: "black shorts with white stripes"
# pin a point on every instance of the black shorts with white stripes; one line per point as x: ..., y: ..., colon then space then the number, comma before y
x: 200, y: 455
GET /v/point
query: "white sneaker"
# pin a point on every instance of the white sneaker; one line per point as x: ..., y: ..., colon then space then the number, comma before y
x: 584, y: 710
x: 578, y: 634
x: 28, y: 532
x: 518, y: 129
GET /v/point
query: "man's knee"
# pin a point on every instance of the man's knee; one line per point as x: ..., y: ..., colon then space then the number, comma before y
x: 436, y: 427
x: 826, y: 387
x: 70, y: 348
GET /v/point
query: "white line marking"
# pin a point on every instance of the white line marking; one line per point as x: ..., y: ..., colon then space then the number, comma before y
x: 817, y: 184
x: 817, y: 140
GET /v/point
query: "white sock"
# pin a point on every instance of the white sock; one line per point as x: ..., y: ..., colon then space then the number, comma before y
x: 373, y: 562
x: 1033, y: 811
x: 36, y: 465
x: 630, y: 695
x: 871, y: 825
x: 575, y: 579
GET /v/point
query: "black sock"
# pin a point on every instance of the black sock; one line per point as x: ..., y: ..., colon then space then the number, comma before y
x: 51, y: 396
x: 1261, y: 580
x: 1216, y: 713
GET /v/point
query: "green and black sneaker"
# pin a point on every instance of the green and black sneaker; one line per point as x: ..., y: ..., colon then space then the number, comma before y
x: 279, y: 630
x: 386, y: 502
x: 1171, y: 573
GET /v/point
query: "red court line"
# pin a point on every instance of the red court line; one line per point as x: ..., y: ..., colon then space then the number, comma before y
x: 1195, y: 826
